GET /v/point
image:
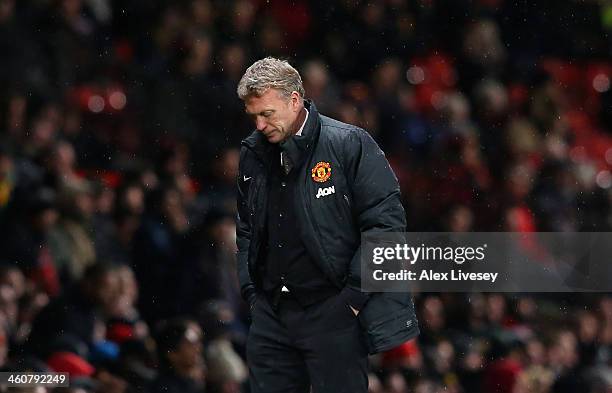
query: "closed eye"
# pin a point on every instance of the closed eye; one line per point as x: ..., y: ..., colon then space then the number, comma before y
x: 267, y: 113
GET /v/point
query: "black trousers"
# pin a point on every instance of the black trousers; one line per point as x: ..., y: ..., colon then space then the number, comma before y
x: 292, y: 349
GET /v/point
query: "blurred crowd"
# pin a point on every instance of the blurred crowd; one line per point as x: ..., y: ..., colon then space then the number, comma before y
x: 119, y: 136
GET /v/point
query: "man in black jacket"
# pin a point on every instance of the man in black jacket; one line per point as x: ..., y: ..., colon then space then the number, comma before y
x: 308, y: 188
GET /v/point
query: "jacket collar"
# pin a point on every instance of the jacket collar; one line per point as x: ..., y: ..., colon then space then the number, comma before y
x: 296, y: 146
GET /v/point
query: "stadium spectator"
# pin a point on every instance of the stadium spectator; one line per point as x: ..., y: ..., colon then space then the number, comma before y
x: 79, y: 314
x: 180, y: 353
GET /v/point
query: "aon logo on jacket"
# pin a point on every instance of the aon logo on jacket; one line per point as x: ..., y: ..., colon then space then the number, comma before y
x: 325, y: 191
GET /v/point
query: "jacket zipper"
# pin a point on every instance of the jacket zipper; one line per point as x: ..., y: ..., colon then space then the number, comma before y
x: 308, y: 208
x: 315, y: 227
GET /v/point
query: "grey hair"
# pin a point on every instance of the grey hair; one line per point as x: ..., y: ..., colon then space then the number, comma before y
x: 270, y: 73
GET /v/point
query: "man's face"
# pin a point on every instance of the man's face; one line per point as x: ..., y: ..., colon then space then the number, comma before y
x: 106, y: 291
x: 274, y: 115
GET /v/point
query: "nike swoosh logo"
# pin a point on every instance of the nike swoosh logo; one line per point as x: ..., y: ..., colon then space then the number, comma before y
x: 247, y: 178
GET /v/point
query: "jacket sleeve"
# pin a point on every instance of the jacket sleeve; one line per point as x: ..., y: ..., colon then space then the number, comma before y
x: 243, y: 234
x: 376, y: 200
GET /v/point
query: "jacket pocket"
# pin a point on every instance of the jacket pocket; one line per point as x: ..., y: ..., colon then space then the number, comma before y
x: 391, y: 331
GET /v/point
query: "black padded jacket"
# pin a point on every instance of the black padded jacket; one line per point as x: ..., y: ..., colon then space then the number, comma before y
x: 365, y: 199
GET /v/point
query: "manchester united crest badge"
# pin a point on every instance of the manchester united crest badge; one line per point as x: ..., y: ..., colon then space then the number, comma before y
x: 321, y: 172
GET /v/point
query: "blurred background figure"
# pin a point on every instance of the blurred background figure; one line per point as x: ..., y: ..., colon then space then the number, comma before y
x: 181, y: 360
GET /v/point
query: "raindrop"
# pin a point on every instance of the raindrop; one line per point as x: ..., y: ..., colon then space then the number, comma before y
x: 601, y: 83
x: 609, y: 156
x: 95, y: 104
x: 438, y: 99
x: 604, y: 179
x: 117, y: 100
x: 415, y: 75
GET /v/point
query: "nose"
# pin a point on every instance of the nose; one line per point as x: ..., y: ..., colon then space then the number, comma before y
x: 260, y: 124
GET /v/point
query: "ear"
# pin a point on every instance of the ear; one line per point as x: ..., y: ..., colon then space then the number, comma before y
x: 295, y: 100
